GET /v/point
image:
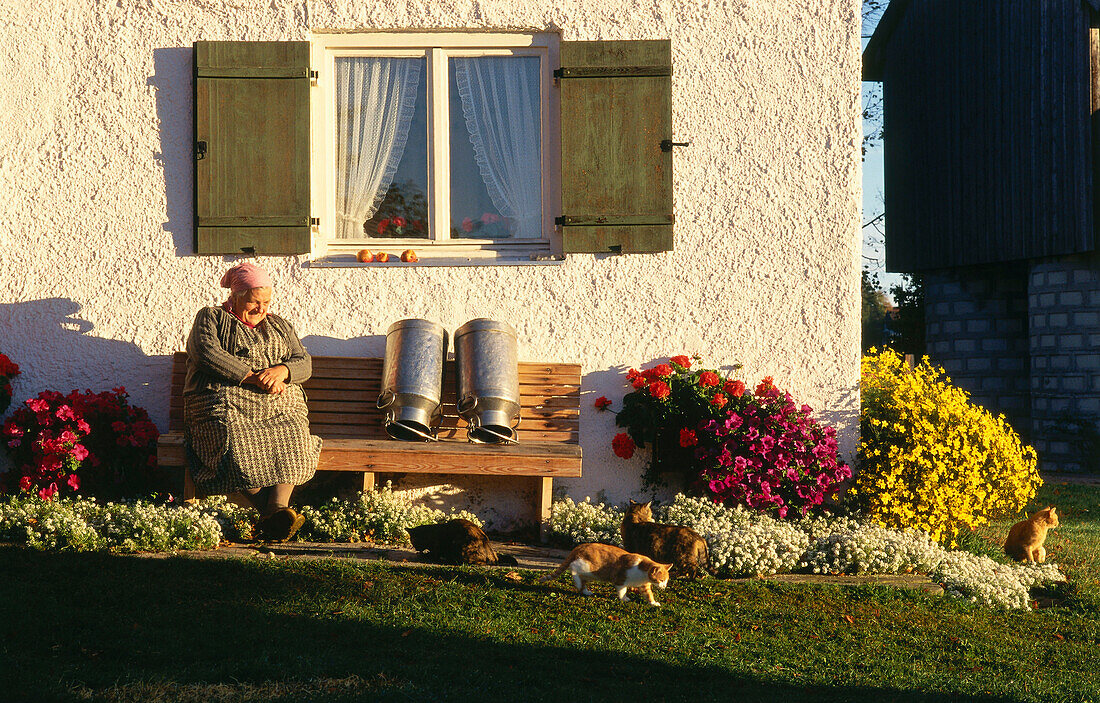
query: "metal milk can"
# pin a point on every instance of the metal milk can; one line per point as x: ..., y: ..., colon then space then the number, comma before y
x: 412, y: 379
x: 487, y: 376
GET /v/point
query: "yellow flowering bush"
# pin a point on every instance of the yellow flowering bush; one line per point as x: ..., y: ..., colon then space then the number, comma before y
x: 930, y: 458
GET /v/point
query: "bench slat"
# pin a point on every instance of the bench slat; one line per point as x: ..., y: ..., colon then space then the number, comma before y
x: 389, y: 456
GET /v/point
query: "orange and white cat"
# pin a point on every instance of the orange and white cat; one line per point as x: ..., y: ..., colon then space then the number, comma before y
x: 602, y: 562
x: 1025, y: 538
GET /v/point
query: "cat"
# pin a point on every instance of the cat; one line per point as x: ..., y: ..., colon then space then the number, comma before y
x: 456, y: 542
x: 593, y: 561
x: 1025, y: 538
x: 682, y: 547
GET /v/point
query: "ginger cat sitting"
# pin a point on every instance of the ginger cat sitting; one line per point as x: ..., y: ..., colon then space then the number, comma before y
x: 1025, y: 538
x: 602, y: 562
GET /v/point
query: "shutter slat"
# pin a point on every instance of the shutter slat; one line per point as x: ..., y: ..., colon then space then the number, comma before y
x: 616, y: 108
x: 252, y: 176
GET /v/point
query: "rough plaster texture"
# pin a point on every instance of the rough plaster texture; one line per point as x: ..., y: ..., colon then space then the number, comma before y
x: 100, y: 283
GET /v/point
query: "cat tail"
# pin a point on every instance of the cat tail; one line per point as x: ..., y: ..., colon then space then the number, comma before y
x: 558, y: 571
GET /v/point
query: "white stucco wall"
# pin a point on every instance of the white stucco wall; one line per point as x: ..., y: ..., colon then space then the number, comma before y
x: 99, y: 284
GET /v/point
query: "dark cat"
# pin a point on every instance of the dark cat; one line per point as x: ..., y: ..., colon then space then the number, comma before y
x: 682, y: 547
x: 456, y: 542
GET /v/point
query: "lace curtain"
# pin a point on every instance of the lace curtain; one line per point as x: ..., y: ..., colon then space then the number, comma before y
x: 500, y: 101
x: 375, y: 98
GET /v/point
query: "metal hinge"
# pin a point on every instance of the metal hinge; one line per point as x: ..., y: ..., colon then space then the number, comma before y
x: 612, y: 71
x: 315, y: 222
x: 667, y: 144
x: 313, y: 77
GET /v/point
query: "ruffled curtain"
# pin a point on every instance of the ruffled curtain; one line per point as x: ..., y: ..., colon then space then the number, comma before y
x: 375, y: 98
x: 500, y: 101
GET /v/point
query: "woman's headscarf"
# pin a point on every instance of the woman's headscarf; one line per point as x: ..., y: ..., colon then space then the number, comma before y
x: 245, y: 276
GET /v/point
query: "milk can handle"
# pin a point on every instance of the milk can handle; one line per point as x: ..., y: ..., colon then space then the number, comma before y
x: 501, y: 437
x: 467, y: 404
x: 389, y: 419
x: 389, y: 398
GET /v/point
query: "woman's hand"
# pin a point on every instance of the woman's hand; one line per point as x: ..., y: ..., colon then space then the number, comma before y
x: 272, y: 380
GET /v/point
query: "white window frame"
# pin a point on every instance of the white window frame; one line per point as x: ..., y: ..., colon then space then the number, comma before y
x: 437, y: 48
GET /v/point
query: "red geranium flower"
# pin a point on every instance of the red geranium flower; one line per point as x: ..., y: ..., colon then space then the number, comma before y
x: 659, y: 390
x: 602, y: 403
x: 718, y: 400
x: 639, y: 382
x: 383, y: 225
x: 661, y: 370
x: 398, y: 221
x: 765, y: 385
x: 681, y: 361
x: 623, y: 445
x: 709, y: 378
x: 734, y: 388
x: 688, y: 438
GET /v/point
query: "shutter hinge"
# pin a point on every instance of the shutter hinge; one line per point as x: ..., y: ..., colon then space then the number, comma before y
x: 667, y: 144
x: 200, y: 151
x: 315, y: 222
x: 612, y: 71
x: 313, y: 77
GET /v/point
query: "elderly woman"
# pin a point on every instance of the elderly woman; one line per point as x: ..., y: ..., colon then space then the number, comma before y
x: 244, y: 410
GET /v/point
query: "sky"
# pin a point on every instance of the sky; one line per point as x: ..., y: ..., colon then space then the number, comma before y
x: 874, y: 256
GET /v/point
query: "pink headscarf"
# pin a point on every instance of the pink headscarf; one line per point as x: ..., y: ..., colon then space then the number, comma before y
x: 245, y: 276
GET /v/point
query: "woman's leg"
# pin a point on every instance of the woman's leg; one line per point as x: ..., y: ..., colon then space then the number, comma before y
x: 278, y: 497
x: 249, y: 497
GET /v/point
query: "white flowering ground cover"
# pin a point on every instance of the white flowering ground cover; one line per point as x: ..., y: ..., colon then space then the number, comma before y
x: 745, y: 544
x: 83, y: 524
x: 741, y: 542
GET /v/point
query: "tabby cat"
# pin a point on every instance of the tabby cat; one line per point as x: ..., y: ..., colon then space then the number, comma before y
x: 1025, y: 538
x: 456, y: 542
x: 682, y: 547
x: 593, y: 561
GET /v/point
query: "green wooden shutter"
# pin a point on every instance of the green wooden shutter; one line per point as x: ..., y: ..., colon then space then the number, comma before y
x: 252, y: 147
x: 616, y: 176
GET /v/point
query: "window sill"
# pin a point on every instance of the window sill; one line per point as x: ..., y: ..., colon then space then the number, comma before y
x: 348, y: 260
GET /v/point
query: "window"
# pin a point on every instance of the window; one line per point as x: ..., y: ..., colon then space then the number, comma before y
x: 440, y: 142
x: 483, y: 147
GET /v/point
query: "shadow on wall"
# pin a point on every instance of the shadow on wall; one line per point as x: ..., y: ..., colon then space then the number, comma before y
x: 373, y: 346
x: 56, y: 351
x: 172, y: 79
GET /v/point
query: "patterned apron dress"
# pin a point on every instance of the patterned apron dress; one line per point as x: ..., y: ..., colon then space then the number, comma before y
x: 242, y: 437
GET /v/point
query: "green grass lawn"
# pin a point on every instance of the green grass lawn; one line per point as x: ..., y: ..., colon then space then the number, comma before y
x: 101, y: 627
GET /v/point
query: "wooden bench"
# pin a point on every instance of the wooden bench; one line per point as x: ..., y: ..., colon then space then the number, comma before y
x: 341, y: 399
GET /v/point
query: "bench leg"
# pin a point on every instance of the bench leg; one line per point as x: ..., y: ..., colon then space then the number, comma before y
x: 544, y: 491
x: 368, y: 480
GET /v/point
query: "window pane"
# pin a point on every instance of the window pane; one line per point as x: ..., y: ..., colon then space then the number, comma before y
x: 381, y: 147
x: 496, y: 154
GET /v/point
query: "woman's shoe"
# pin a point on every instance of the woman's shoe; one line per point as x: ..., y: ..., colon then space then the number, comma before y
x: 280, y: 525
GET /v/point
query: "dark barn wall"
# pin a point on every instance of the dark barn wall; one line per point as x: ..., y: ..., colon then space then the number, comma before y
x: 977, y: 328
x: 1064, y: 312
x: 988, y: 137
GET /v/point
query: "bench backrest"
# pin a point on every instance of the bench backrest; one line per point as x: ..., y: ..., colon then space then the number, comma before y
x: 343, y: 390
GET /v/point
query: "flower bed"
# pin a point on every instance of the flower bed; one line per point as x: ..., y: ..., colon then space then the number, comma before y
x: 930, y: 458
x: 746, y: 543
x: 87, y: 443
x: 84, y: 524
x: 757, y: 449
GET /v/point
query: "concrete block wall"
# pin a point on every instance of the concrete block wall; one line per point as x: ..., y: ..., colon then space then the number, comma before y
x: 1064, y: 331
x: 976, y: 325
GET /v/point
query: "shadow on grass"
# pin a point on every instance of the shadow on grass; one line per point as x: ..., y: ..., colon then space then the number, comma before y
x: 98, y: 627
